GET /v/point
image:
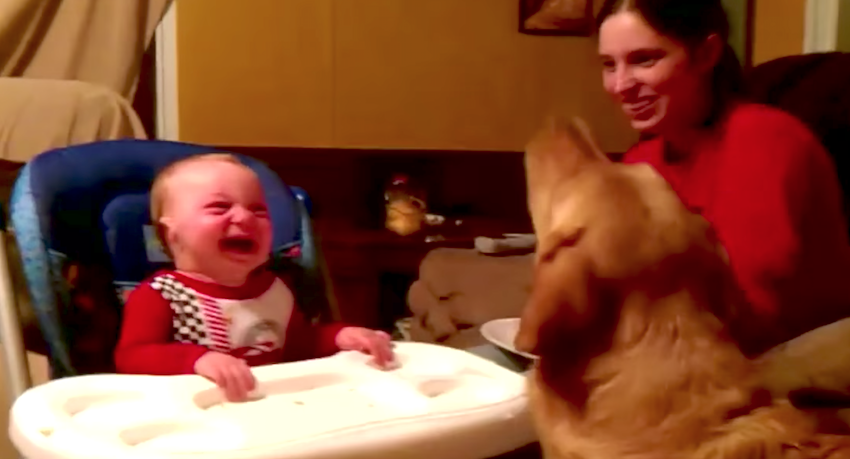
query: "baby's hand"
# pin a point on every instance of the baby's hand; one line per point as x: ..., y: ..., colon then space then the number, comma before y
x: 231, y: 374
x: 375, y: 343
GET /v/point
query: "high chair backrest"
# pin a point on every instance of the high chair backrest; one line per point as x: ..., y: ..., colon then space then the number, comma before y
x: 80, y: 216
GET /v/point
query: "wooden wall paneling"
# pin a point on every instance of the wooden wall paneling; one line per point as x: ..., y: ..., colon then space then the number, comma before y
x: 778, y: 29
x: 255, y: 72
x: 446, y: 75
x: 440, y: 75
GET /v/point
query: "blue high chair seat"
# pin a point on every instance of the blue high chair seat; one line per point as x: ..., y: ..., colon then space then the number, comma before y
x: 81, y: 220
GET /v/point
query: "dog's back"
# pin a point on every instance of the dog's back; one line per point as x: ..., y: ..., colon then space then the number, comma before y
x: 634, y: 362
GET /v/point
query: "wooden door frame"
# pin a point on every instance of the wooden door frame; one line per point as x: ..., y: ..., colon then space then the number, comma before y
x: 167, y: 110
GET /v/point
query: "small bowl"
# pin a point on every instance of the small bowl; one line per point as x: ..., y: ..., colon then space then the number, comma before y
x: 501, y: 332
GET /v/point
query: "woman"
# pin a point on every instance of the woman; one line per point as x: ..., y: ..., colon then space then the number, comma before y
x: 757, y: 174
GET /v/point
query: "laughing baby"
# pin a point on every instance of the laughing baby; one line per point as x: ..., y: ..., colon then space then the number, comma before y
x: 220, y: 312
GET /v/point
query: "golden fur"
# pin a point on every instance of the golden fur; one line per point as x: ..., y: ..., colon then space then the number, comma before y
x: 623, y: 314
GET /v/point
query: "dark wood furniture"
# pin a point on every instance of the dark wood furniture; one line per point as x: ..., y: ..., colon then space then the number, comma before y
x: 370, y: 267
x: 373, y: 268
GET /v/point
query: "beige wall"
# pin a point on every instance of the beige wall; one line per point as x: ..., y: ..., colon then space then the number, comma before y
x: 778, y: 29
x: 436, y: 74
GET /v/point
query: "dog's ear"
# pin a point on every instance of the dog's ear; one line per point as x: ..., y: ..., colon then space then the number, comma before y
x: 587, y: 141
x: 554, y: 155
x: 561, y: 298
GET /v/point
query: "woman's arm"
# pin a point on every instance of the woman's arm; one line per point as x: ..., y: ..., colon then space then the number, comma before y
x: 777, y: 209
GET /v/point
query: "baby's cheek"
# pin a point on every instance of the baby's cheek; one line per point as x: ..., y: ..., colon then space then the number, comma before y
x: 205, y: 238
x: 266, y: 236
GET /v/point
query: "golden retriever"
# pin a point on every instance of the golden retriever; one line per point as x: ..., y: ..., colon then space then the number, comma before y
x: 628, y: 288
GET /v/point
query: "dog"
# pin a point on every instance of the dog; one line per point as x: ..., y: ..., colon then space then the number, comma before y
x: 627, y: 315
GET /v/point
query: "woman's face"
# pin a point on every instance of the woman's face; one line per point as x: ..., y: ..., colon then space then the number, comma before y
x: 651, y: 76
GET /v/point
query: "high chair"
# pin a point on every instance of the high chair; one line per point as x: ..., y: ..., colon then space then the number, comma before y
x: 79, y: 216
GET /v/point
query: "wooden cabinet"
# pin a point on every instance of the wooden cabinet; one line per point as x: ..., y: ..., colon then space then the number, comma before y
x: 371, y: 269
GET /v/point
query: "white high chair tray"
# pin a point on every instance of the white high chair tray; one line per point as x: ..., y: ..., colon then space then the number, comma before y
x: 438, y: 403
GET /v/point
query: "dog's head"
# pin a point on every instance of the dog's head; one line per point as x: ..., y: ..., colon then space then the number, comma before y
x: 605, y: 231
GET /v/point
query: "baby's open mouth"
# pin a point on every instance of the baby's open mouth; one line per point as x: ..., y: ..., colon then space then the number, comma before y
x: 238, y: 244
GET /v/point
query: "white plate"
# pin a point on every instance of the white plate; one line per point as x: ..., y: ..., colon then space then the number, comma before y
x: 502, y: 332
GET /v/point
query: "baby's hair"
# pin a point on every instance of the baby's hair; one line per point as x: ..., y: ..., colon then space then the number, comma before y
x: 159, y: 189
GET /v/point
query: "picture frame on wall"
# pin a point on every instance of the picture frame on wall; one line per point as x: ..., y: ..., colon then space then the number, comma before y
x: 573, y: 18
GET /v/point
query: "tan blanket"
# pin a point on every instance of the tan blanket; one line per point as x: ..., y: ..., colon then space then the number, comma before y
x: 458, y: 290
x: 37, y: 115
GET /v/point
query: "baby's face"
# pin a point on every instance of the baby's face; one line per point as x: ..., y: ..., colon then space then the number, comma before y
x: 218, y: 220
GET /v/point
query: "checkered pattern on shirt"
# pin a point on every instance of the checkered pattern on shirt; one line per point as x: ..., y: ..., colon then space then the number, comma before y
x: 188, y: 322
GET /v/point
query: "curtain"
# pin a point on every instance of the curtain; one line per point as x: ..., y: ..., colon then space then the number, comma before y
x: 95, y: 41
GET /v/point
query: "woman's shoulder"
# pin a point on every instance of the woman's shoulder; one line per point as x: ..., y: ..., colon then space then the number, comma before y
x: 761, y: 130
x: 765, y: 123
x: 759, y: 134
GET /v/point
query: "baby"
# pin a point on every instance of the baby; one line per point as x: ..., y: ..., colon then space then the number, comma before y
x: 219, y: 312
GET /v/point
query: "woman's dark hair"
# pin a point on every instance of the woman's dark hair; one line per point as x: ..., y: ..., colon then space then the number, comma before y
x: 690, y: 22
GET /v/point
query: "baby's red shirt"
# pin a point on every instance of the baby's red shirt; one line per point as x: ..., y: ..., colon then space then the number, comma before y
x: 771, y: 192
x: 171, y: 320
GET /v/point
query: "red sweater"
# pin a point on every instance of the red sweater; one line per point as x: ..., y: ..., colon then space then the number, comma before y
x: 770, y: 190
x: 171, y: 320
